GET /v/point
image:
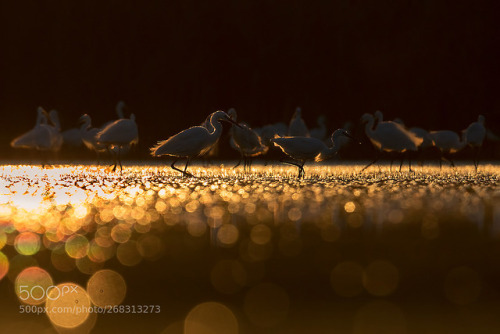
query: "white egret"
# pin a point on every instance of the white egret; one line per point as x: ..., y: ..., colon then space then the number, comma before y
x: 269, y: 131
x: 246, y: 141
x: 474, y: 136
x: 192, y: 142
x: 304, y: 149
x: 118, y: 135
x: 297, y: 126
x: 89, y: 136
x: 389, y: 137
x: 448, y: 142
x: 37, y: 138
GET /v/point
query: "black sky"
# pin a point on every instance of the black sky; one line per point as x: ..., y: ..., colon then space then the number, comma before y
x: 433, y: 63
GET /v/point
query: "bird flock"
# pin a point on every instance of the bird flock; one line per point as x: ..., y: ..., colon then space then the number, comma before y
x: 298, y: 143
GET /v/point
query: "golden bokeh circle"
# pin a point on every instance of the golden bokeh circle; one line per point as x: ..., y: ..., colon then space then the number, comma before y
x: 106, y: 288
x: 68, y: 305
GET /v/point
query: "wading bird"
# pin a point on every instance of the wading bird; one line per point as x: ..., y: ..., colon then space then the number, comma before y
x: 89, y: 136
x: 192, y: 142
x: 246, y: 141
x: 118, y: 135
x: 474, y: 136
x: 389, y: 137
x: 302, y: 149
x: 297, y: 126
x: 39, y: 138
x: 448, y: 142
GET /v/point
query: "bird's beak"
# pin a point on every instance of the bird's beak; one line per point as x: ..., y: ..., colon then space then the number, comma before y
x: 353, y: 138
x: 229, y: 119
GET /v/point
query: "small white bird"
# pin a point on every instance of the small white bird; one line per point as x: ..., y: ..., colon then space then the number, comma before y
x: 269, y: 131
x: 297, y: 126
x: 118, y: 135
x: 39, y: 138
x: 246, y: 141
x: 474, y: 136
x: 89, y: 136
x: 192, y: 142
x: 448, y: 142
x: 304, y: 149
x: 389, y: 137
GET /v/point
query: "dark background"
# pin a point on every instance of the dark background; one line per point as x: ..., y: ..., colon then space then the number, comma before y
x: 432, y: 63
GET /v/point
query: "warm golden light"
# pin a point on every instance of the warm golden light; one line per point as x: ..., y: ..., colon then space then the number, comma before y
x: 211, y: 318
x: 68, y: 305
x: 106, y: 288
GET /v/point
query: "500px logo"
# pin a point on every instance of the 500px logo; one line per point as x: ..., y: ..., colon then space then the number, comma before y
x: 37, y: 292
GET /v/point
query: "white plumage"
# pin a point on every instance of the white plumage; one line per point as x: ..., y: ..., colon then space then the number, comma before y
x: 192, y: 142
x: 305, y: 149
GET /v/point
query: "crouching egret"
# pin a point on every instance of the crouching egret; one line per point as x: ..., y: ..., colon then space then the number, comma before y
x: 246, y: 141
x: 118, y: 135
x: 304, y: 149
x: 192, y: 142
x: 448, y: 142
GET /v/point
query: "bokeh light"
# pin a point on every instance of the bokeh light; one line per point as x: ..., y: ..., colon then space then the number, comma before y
x: 266, y: 305
x: 211, y: 318
x: 27, y: 243
x: 33, y: 285
x: 68, y: 305
x: 106, y: 288
x: 4, y: 265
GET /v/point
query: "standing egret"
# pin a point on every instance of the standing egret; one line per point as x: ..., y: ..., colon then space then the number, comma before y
x: 89, y: 136
x: 304, y: 149
x: 474, y: 136
x: 192, y: 142
x: 389, y: 137
x: 39, y: 138
x: 118, y: 135
x: 246, y: 141
x: 297, y: 126
x: 448, y: 142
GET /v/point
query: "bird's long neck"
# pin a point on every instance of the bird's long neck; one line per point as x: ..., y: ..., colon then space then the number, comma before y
x: 216, y: 130
x: 369, y: 128
x: 86, y: 125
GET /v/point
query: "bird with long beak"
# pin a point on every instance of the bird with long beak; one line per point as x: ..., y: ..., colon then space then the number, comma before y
x: 302, y: 149
x: 192, y: 142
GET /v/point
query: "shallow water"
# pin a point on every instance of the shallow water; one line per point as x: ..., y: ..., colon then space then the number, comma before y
x: 337, y: 251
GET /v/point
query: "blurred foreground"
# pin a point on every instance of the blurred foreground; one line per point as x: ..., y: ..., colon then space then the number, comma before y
x: 228, y: 252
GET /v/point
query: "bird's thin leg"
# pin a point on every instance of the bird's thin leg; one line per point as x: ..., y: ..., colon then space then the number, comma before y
x: 371, y: 163
x: 441, y: 161
x: 390, y: 168
x: 185, y: 173
x: 293, y: 164
x: 409, y: 161
x: 302, y: 168
x: 476, y: 157
x: 173, y: 166
x: 401, y: 164
x: 119, y: 158
x: 239, y: 161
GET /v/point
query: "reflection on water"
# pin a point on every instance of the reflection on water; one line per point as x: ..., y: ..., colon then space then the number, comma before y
x: 83, y: 218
